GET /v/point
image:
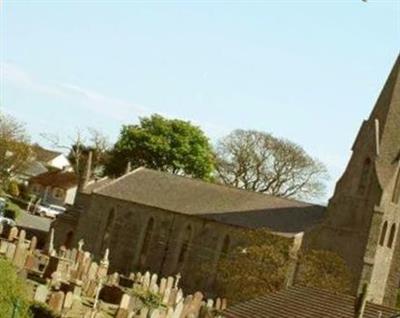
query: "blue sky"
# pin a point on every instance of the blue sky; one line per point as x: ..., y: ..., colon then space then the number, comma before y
x: 309, y: 71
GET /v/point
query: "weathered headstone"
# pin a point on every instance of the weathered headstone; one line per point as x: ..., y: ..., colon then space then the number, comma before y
x: 69, y: 297
x: 92, y: 272
x: 11, y: 247
x: 41, y: 294
x: 123, y: 309
x: 13, y: 234
x: 33, y: 244
x: 20, y: 251
x: 56, y: 301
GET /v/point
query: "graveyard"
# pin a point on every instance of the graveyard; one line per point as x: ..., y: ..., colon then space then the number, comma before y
x: 69, y: 283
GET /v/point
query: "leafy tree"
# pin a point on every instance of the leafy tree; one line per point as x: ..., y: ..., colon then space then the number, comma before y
x: 13, y: 189
x: 15, y: 150
x: 257, y: 161
x: 163, y: 144
x: 12, y: 292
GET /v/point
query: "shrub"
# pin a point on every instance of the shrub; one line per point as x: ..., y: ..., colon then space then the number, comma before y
x: 12, y: 211
x: 12, y: 292
x: 13, y: 189
x: 39, y: 310
x: 11, y: 214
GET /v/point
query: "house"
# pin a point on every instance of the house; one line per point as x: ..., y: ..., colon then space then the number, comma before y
x: 305, y: 302
x: 50, y: 158
x: 55, y: 187
x: 41, y: 161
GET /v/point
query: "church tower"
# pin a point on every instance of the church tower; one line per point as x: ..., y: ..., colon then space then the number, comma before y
x: 363, y: 216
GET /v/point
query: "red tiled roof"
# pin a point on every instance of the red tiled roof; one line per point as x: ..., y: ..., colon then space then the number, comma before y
x: 58, y: 178
x: 304, y: 302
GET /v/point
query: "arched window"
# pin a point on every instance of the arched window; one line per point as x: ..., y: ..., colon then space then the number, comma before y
x: 184, y: 247
x: 396, y: 192
x: 383, y: 233
x: 391, y: 235
x: 108, y: 229
x: 225, y: 245
x: 68, y: 240
x: 146, y: 242
x: 362, y: 187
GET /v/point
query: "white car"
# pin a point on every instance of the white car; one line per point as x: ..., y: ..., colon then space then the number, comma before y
x: 7, y: 221
x: 50, y: 211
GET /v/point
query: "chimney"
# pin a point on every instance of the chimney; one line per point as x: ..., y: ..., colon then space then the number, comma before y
x: 361, y: 302
x: 88, y: 171
x: 128, y: 167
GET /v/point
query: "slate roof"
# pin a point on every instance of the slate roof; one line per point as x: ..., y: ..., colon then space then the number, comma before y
x: 58, y: 178
x: 217, y: 202
x: 33, y: 168
x: 44, y: 155
x: 303, y: 302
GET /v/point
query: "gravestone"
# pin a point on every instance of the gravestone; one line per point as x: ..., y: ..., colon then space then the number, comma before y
x: 41, y: 294
x: 31, y: 263
x: 69, y: 297
x: 92, y: 272
x: 56, y: 301
x: 20, y: 251
x: 10, y: 251
x: 13, y: 234
x: 33, y: 244
x: 3, y: 247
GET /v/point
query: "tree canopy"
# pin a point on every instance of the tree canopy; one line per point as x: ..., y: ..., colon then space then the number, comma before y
x: 163, y: 144
x: 257, y: 161
x: 15, y: 150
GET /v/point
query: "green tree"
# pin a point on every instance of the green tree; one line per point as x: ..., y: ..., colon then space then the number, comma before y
x: 15, y: 150
x: 163, y: 144
x: 258, y: 161
x: 12, y: 292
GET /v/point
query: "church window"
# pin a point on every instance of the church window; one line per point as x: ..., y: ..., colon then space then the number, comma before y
x: 383, y: 233
x: 184, y: 246
x: 146, y: 242
x: 226, y: 245
x: 396, y: 192
x: 108, y: 229
x: 391, y: 235
x: 68, y: 239
x: 362, y: 187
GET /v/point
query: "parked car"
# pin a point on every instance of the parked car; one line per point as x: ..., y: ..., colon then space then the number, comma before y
x: 7, y: 221
x: 50, y: 211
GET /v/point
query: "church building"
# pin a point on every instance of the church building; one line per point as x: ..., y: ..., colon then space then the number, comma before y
x: 152, y: 220
x: 363, y: 216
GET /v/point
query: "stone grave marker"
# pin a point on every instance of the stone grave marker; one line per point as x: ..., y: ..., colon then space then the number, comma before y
x: 41, y: 294
x: 56, y: 301
x: 13, y: 234
x: 69, y: 297
x: 10, y: 251
x: 33, y: 244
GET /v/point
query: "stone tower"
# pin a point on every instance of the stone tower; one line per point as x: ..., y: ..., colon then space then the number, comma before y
x: 363, y: 216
